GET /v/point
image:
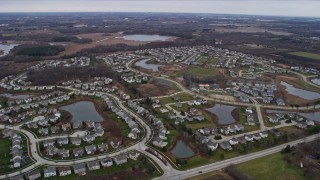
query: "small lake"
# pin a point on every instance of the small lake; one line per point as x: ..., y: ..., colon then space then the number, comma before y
x: 12, y: 96
x: 316, y: 81
x: 143, y: 63
x: 223, y: 113
x: 5, y: 48
x: 146, y: 37
x: 315, y: 116
x: 309, y: 95
x: 181, y: 150
x: 83, y: 111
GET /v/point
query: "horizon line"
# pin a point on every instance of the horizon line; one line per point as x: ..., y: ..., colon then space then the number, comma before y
x: 146, y: 12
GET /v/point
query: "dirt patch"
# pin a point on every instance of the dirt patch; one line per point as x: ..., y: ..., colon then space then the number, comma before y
x: 170, y: 68
x: 155, y: 88
x: 236, y: 114
x: 294, y: 132
x: 98, y: 39
x: 251, y: 29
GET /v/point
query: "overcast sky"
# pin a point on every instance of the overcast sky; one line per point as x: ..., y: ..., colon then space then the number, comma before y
x: 253, y: 7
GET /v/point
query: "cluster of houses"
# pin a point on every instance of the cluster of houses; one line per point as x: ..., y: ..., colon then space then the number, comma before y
x: 204, y: 136
x: 18, y: 157
x: 227, y: 145
x: 132, y: 124
x: 79, y: 169
x: 232, y: 129
x: 300, y: 122
x: 51, y: 150
x: 133, y: 77
x: 75, y: 61
x: 255, y: 89
x: 97, y: 85
x: 305, y: 70
x: 118, y: 58
x: 160, y: 136
x: 118, y: 61
x: 191, y: 115
x: 26, y: 110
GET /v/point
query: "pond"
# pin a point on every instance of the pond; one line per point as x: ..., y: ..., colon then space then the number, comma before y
x: 309, y: 95
x: 146, y: 37
x: 315, y: 116
x: 13, y: 96
x: 83, y: 111
x: 143, y: 63
x: 5, y: 48
x: 181, y: 150
x: 316, y: 81
x: 223, y: 113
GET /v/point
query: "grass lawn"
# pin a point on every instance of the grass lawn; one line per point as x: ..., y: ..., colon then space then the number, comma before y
x: 243, y: 121
x: 214, y: 61
x: 202, y: 59
x: 9, y: 35
x: 182, y: 96
x: 306, y: 55
x: 306, y: 85
x: 168, y: 83
x: 201, y: 72
x: 5, y: 155
x: 207, y: 122
x: 270, y: 167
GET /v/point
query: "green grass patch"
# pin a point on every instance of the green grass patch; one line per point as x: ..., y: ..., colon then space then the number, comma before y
x: 243, y: 121
x: 200, y: 72
x: 9, y: 35
x: 203, y: 59
x: 5, y: 155
x: 271, y: 167
x: 306, y: 55
x: 170, y: 99
x: 306, y: 85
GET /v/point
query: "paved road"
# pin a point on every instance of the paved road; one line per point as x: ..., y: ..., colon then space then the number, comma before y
x: 239, y: 159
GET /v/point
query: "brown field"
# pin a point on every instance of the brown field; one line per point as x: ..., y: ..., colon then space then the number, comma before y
x: 98, y: 39
x: 252, y: 30
x: 155, y: 88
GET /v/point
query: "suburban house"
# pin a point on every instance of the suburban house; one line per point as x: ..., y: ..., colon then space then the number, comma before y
x: 49, y: 171
x: 93, y: 165
x: 212, y: 146
x: 120, y: 159
x: 80, y: 169
x: 107, y: 162
x: 64, y: 171
x: 35, y: 174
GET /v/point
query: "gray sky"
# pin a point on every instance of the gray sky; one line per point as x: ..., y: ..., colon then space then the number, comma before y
x: 255, y: 7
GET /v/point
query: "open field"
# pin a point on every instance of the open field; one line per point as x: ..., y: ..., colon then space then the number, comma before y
x: 201, y: 72
x: 212, y: 175
x: 157, y: 87
x: 306, y: 55
x: 271, y: 167
x: 5, y: 155
x: 182, y: 96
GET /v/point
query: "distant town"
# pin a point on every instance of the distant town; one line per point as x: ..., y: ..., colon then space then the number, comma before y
x: 123, y: 104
